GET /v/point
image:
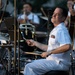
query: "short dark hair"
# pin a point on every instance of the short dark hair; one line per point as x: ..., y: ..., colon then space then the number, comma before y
x: 28, y: 4
x: 64, y: 11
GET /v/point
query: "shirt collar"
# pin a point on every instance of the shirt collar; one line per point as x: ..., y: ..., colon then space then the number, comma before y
x: 59, y: 25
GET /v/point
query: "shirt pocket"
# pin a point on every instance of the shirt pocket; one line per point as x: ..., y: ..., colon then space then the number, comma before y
x: 52, y: 40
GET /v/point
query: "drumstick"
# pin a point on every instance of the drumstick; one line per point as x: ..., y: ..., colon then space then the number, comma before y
x: 32, y: 53
x: 23, y: 36
x: 43, y: 12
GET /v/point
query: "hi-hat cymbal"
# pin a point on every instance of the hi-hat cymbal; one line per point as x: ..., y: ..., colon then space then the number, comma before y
x: 45, y: 18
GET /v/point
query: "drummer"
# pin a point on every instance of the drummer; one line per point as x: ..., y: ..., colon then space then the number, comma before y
x: 28, y: 16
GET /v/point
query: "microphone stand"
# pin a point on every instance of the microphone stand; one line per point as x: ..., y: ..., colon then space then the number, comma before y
x: 73, y: 48
x: 15, y: 37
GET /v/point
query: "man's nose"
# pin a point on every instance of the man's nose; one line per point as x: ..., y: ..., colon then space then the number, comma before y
x: 53, y: 15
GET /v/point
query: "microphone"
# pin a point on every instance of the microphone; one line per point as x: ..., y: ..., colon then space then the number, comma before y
x: 23, y: 36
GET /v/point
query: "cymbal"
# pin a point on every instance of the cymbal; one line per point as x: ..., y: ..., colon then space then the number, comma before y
x: 41, y: 34
x: 45, y: 18
x: 32, y: 53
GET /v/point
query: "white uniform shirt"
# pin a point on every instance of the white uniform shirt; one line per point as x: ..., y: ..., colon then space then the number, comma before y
x: 33, y: 17
x: 58, y: 37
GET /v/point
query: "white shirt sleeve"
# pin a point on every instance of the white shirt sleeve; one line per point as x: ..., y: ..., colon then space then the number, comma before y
x: 63, y: 37
x: 36, y: 19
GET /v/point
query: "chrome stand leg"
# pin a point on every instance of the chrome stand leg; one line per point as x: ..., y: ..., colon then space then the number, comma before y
x: 9, y: 59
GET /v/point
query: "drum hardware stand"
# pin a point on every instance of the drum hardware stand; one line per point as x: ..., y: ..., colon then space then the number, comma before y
x: 72, y: 59
x: 8, y: 46
x: 48, y: 29
x: 15, y: 26
x: 18, y: 50
x: 33, y: 36
x: 26, y: 30
x: 9, y: 56
x: 33, y: 32
x: 69, y: 23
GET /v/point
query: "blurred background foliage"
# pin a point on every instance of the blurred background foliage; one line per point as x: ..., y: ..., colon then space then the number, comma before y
x: 37, y: 4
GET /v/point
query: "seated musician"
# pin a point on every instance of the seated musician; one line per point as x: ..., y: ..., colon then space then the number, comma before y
x: 70, y: 20
x: 28, y: 16
x: 71, y: 12
x: 57, y: 52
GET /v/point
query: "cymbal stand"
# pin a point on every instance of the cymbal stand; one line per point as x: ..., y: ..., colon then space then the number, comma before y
x: 15, y: 37
x: 73, y: 48
x: 18, y: 50
x: 33, y: 32
x: 48, y: 26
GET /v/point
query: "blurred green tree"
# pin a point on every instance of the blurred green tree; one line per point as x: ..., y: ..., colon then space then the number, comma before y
x: 35, y: 3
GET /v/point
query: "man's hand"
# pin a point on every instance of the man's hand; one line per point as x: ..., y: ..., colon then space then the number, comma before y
x: 30, y: 42
x: 44, y: 54
x: 37, y: 44
x: 70, y: 4
x: 26, y: 19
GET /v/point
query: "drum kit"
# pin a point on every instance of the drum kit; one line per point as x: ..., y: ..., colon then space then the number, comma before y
x: 5, y: 39
x: 7, y: 35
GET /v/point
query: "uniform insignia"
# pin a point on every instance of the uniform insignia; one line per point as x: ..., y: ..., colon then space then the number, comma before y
x: 52, y: 36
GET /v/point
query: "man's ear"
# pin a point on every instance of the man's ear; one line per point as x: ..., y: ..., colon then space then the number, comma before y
x: 63, y: 19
